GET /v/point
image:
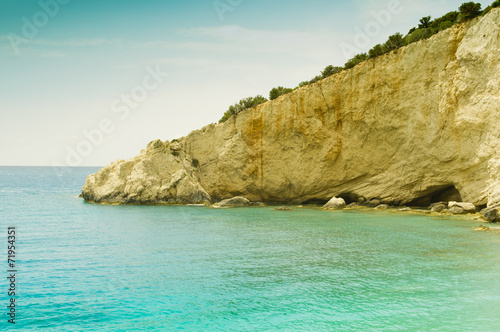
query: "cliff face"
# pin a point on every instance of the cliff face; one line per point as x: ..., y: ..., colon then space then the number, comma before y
x: 407, y: 125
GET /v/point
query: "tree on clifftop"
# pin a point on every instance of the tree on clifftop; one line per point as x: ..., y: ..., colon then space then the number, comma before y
x: 470, y: 10
x: 424, y: 22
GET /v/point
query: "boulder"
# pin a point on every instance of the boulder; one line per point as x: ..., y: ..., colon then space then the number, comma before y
x: 467, y: 207
x: 353, y: 205
x: 373, y: 202
x: 335, y: 203
x: 457, y: 210
x: 382, y: 207
x: 438, y: 207
x: 491, y: 215
x: 361, y: 200
x: 403, y: 209
x: 237, y: 201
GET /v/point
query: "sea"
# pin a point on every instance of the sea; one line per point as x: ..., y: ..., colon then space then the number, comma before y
x: 86, y: 267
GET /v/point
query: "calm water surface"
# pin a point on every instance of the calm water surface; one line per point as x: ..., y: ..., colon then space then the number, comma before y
x: 167, y: 268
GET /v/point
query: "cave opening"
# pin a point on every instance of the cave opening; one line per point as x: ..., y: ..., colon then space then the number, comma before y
x: 437, y: 194
x: 349, y: 197
x: 315, y: 201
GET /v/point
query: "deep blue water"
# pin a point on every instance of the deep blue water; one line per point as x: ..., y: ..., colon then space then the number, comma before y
x: 168, y: 268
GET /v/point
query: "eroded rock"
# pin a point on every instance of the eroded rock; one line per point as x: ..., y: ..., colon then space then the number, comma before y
x: 467, y: 207
x: 438, y: 207
x: 237, y: 201
x: 491, y: 215
x: 335, y: 203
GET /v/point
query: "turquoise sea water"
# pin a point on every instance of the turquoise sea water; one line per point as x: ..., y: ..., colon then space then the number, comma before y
x: 168, y: 268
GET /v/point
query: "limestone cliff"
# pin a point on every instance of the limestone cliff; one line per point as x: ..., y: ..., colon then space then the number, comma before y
x: 405, y: 126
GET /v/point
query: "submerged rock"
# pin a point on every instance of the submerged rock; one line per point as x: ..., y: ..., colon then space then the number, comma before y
x: 482, y: 228
x: 237, y: 201
x: 284, y: 208
x: 335, y: 203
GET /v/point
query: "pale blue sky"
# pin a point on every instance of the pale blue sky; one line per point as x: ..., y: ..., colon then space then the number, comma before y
x: 71, y: 71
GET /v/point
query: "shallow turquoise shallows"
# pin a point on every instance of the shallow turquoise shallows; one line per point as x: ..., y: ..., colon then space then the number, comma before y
x: 168, y: 268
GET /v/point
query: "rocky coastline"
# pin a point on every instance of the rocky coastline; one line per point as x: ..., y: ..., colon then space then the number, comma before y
x: 415, y: 127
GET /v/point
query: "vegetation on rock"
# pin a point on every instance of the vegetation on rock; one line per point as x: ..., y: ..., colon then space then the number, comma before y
x: 242, y: 105
x: 426, y: 29
x: 279, y: 91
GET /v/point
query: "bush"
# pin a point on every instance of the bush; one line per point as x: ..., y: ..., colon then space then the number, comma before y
x: 445, y: 25
x: 486, y: 10
x: 419, y: 34
x: 449, y: 17
x: 356, y: 60
x: 330, y: 70
x: 376, y: 51
x: 470, y: 10
x: 394, y: 42
x: 316, y: 79
x: 490, y: 7
x: 279, y: 91
x: 242, y: 105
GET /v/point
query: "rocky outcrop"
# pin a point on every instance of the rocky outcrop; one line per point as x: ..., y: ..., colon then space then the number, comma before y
x: 161, y: 174
x: 419, y: 123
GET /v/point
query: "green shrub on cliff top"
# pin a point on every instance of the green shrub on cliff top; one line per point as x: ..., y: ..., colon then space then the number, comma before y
x: 242, y: 105
x: 330, y: 70
x: 426, y: 29
x: 279, y: 91
x: 470, y: 10
x: 356, y: 60
x: 376, y: 51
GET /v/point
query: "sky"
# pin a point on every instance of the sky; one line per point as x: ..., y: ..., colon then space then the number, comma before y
x: 87, y: 82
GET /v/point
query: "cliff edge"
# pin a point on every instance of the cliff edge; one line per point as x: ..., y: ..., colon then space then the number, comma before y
x: 417, y: 125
